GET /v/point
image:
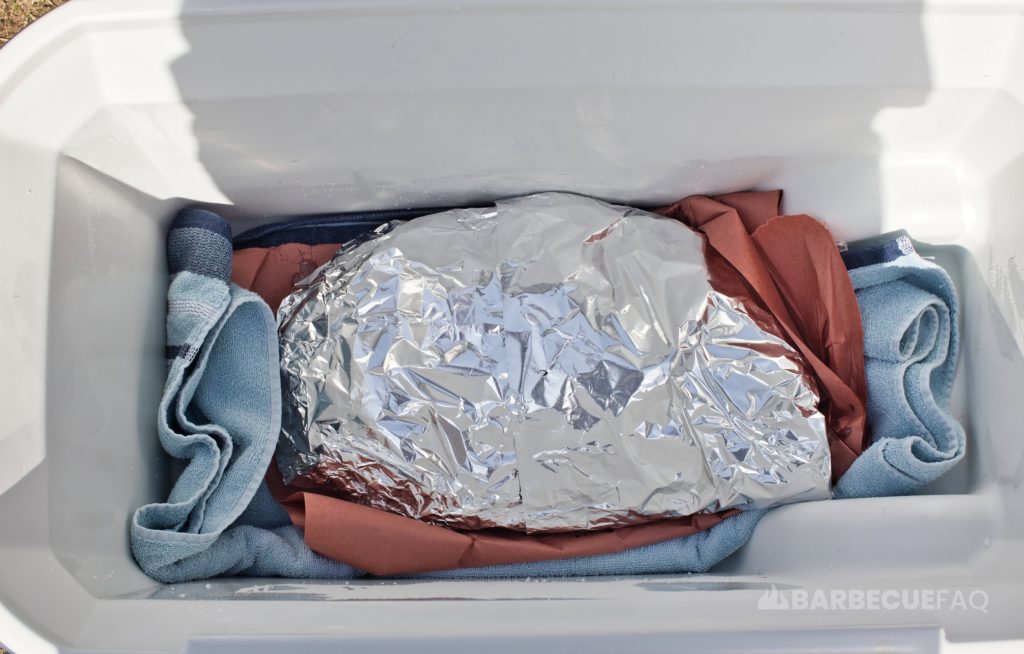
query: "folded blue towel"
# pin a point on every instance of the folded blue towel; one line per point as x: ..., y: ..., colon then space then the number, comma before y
x: 911, y: 339
x: 221, y: 414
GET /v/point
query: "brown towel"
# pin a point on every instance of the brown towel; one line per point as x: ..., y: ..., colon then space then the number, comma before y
x: 790, y: 268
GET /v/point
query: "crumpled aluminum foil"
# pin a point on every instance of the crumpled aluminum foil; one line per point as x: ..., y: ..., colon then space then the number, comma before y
x: 553, y: 363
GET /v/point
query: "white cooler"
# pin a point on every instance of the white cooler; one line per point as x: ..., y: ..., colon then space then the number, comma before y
x: 871, y: 116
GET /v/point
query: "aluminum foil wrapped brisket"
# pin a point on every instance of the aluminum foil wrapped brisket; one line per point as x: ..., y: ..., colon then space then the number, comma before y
x: 552, y: 363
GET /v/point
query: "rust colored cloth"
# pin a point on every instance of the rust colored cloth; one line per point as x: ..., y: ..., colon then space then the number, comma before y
x: 790, y: 268
x: 273, y: 272
x: 388, y: 544
x: 786, y: 270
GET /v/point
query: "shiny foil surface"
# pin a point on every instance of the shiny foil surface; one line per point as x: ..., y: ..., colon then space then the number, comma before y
x: 552, y: 363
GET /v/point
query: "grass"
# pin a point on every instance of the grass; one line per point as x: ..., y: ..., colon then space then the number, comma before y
x: 15, y: 15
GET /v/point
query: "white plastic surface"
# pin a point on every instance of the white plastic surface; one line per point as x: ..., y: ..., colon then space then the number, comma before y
x: 115, y: 113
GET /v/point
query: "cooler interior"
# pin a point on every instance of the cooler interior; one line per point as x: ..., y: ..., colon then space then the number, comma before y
x: 113, y: 115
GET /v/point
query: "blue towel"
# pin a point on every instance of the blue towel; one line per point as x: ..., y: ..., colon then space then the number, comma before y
x: 911, y: 339
x: 220, y: 414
